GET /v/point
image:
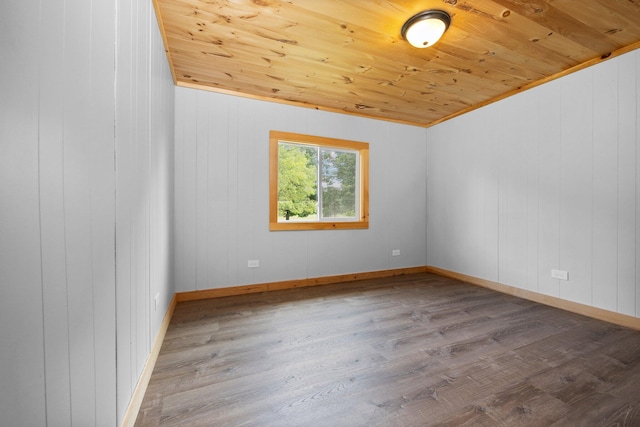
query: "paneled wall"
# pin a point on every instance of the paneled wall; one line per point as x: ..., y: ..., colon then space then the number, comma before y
x: 144, y: 152
x: 66, y: 175
x: 222, y: 191
x: 547, y: 179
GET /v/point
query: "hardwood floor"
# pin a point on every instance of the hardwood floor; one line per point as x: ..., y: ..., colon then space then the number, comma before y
x: 409, y: 350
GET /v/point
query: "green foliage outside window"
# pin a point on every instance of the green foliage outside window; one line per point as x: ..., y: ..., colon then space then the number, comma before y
x: 338, y: 184
x: 297, y: 181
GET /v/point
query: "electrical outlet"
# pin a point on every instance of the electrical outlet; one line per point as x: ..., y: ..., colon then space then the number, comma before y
x: 253, y: 263
x: 395, y: 252
x: 560, y: 274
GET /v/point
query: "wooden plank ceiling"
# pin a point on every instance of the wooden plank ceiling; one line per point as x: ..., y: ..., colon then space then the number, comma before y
x: 349, y: 56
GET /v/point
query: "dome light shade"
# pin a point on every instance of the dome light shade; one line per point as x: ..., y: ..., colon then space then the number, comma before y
x: 425, y: 28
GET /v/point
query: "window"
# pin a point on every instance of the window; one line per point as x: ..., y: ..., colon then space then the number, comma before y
x: 317, y: 183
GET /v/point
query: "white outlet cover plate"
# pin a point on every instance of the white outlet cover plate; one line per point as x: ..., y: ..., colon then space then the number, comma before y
x: 560, y: 274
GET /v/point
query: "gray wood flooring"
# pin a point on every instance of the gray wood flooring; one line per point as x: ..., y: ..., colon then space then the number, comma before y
x: 412, y: 350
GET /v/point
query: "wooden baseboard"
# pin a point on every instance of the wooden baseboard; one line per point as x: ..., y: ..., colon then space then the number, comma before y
x: 138, y: 394
x: 574, y: 307
x: 290, y: 284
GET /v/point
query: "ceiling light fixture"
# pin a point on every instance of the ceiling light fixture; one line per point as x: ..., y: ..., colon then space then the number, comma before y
x: 425, y: 28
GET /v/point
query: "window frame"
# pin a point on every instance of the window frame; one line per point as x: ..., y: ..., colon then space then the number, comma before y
x: 362, y: 148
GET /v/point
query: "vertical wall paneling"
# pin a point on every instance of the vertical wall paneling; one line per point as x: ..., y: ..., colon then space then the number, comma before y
x: 78, y: 181
x: 438, y: 253
x: 124, y: 129
x: 52, y: 224
x: 503, y: 206
x: 637, y: 186
x: 162, y: 134
x: 22, y: 374
x: 202, y: 183
x: 231, y: 164
x: 76, y: 224
x: 605, y: 185
x: 490, y: 174
x: 103, y: 207
x: 531, y: 136
x: 513, y: 194
x: 141, y: 207
x: 144, y: 164
x: 387, y: 188
x: 472, y: 185
x: 102, y: 201
x: 468, y: 194
x: 460, y: 185
x: 189, y: 176
x: 231, y: 194
x: 261, y: 234
x: 549, y: 203
x: 566, y: 187
x: 473, y: 212
x: 576, y: 231
x: 245, y: 212
x: 463, y: 197
x: 217, y: 202
x: 626, y: 122
x: 178, y: 183
x: 396, y: 218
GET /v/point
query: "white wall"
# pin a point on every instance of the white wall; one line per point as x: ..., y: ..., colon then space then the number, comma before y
x: 547, y: 179
x: 144, y: 151
x: 222, y: 195
x: 66, y: 175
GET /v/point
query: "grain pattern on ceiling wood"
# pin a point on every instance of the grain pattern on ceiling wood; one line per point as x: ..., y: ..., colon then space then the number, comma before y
x: 349, y: 56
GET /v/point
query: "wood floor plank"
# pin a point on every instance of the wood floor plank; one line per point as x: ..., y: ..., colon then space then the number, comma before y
x: 409, y: 350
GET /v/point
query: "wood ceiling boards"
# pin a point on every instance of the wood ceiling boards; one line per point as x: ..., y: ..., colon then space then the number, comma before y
x: 349, y: 56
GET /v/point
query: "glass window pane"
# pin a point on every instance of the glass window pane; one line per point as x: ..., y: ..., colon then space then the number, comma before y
x: 297, y: 182
x: 338, y: 182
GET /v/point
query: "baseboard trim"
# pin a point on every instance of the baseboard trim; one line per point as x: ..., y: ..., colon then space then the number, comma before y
x: 138, y: 394
x: 291, y: 284
x: 574, y: 307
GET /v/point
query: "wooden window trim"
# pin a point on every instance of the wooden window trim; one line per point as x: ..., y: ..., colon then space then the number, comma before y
x: 361, y: 147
